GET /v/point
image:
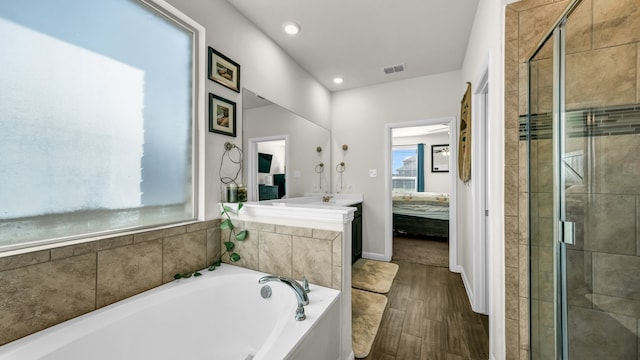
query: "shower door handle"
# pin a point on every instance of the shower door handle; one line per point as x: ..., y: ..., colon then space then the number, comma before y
x: 568, y: 229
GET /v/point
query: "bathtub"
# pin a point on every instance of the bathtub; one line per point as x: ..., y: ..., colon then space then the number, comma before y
x: 220, y: 315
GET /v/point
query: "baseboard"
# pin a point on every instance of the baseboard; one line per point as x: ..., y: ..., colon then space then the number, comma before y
x: 375, y: 256
x: 492, y: 357
x: 467, y: 286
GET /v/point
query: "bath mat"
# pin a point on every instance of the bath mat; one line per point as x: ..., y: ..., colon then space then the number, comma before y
x: 372, y: 275
x: 366, y: 314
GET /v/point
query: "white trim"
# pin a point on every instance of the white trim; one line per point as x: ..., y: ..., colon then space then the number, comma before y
x: 480, y: 127
x: 252, y: 172
x: 374, y: 256
x: 465, y: 282
x: 453, y: 175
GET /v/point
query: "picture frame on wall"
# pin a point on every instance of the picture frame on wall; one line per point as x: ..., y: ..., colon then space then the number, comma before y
x: 440, y: 158
x: 222, y: 115
x: 223, y: 70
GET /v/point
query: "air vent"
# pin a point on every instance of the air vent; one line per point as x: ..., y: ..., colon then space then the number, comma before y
x: 394, y: 69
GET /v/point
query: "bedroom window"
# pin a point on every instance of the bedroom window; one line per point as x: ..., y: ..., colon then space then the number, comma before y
x: 404, y: 168
x: 98, y: 119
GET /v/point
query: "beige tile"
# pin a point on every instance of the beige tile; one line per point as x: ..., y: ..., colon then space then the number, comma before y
x: 511, y: 146
x: 523, y: 271
x: 159, y: 234
x: 615, y: 22
x: 523, y: 219
x: 611, y: 224
x: 579, y: 277
x: 512, y: 335
x: 524, y: 323
x: 524, y: 88
x: 213, y: 245
x: 528, y: 4
x: 544, y: 168
x: 604, y: 77
x: 545, y: 87
x: 336, y: 278
x: 511, y: 66
x: 523, y: 166
x: 614, y: 337
x: 579, y: 28
x: 511, y: 190
x: 203, y: 225
x: 617, y: 164
x: 30, y: 258
x: 293, y: 230
x: 534, y: 23
x: 616, y: 276
x: 336, y: 247
x: 312, y: 258
x: 511, y: 293
x: 275, y: 251
x: 247, y: 249
x: 512, y: 119
x: 533, y: 169
x: 617, y: 305
x: 74, y: 250
x: 128, y: 270
x: 114, y: 242
x: 39, y: 296
x: 510, y: 24
x: 325, y: 234
x: 183, y: 253
x: 511, y: 241
x: 256, y: 226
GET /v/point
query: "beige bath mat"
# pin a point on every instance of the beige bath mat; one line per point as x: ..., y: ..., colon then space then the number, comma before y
x: 372, y: 275
x: 366, y: 314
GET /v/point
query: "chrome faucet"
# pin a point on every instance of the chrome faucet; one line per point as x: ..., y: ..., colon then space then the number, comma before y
x: 301, y: 294
x: 326, y: 198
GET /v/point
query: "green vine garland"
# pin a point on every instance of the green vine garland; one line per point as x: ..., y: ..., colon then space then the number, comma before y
x: 229, y: 245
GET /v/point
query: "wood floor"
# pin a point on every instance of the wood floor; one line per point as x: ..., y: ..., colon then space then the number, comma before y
x: 428, y: 316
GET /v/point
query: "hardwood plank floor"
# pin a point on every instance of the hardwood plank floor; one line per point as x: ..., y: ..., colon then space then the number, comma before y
x: 428, y: 316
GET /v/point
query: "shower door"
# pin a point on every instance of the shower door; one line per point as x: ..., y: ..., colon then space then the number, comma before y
x: 584, y: 127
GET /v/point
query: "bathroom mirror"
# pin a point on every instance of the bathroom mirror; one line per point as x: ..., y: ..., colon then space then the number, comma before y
x: 285, y: 154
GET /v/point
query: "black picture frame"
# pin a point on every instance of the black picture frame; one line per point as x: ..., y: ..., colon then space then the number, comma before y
x: 223, y: 70
x: 222, y: 115
x: 440, y: 161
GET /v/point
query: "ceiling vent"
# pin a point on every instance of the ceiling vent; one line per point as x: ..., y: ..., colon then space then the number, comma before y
x: 394, y: 69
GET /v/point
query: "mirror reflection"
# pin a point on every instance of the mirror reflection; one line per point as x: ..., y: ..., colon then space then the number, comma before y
x: 286, y: 155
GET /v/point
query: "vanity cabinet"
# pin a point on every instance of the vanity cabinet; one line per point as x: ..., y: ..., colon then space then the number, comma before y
x: 356, y: 234
x: 267, y: 192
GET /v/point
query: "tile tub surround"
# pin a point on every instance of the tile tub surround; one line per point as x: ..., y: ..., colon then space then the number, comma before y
x: 603, y: 34
x: 43, y: 288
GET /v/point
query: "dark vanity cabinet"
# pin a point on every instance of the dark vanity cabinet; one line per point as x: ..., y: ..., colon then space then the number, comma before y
x: 356, y: 234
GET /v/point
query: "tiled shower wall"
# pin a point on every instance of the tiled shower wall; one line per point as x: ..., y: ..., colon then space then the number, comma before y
x: 602, y: 43
x: 43, y: 288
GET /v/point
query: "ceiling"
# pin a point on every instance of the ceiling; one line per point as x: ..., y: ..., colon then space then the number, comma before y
x: 356, y: 39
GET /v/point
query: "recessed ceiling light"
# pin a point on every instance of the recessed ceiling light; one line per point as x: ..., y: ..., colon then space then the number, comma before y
x: 337, y: 80
x: 291, y: 28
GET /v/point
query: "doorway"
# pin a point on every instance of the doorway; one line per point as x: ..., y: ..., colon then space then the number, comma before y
x: 442, y: 145
x: 267, y: 164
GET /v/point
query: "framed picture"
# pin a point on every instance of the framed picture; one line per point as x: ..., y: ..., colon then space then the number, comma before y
x: 223, y: 70
x: 440, y: 158
x: 222, y: 115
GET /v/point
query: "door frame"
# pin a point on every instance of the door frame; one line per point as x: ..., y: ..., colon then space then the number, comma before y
x: 453, y: 175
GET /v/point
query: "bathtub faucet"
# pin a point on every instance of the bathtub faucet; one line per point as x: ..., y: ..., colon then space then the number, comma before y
x: 301, y: 294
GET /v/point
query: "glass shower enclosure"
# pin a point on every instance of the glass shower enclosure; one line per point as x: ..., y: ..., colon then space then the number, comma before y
x: 583, y: 134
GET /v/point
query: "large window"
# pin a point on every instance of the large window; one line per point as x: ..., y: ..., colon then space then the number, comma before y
x: 97, y: 119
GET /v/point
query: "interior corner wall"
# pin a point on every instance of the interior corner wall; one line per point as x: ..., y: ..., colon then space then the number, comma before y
x: 358, y: 120
x: 265, y: 69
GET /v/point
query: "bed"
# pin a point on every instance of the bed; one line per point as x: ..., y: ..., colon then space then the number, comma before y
x: 421, y: 214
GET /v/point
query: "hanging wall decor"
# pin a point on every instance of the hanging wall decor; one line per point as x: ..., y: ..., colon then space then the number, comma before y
x: 464, y: 142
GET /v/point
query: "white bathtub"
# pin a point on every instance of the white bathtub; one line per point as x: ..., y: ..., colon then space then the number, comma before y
x: 219, y: 315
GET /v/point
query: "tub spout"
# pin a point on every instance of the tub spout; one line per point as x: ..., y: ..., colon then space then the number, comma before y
x: 301, y: 295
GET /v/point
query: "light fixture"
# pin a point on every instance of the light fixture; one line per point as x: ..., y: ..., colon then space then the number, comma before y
x: 337, y: 80
x: 291, y: 28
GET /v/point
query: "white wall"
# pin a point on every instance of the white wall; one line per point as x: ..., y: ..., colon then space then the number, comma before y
x: 437, y: 182
x: 264, y: 69
x: 358, y: 120
x: 485, y: 50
